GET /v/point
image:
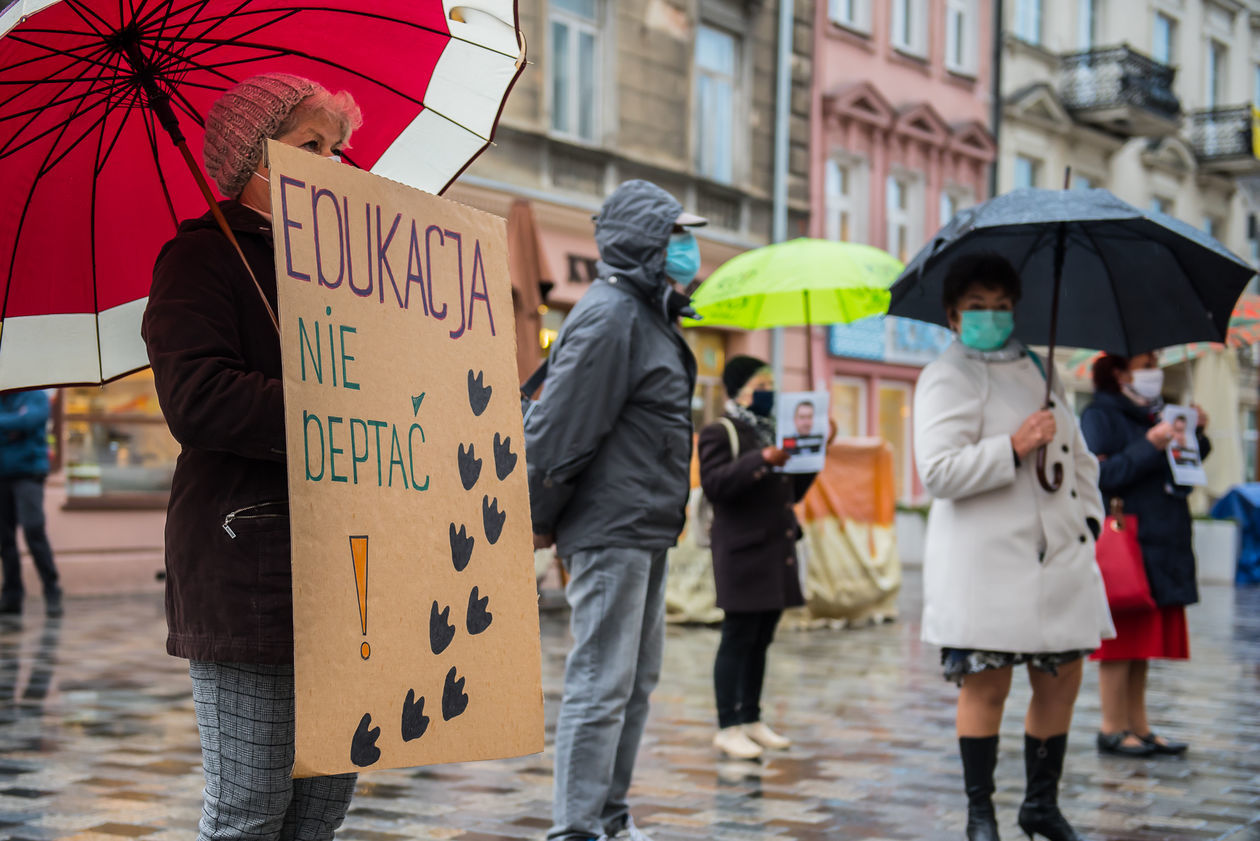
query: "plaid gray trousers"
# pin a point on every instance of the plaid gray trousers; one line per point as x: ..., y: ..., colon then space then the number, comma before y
x: 245, y: 715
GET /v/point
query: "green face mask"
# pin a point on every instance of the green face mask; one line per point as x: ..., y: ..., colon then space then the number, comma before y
x: 985, y: 329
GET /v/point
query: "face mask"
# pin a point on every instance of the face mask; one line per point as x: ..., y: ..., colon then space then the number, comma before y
x: 1148, y: 383
x: 762, y: 403
x: 335, y: 158
x: 985, y: 329
x: 682, y: 257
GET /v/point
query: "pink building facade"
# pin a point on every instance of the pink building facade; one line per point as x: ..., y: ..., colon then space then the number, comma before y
x: 902, y: 102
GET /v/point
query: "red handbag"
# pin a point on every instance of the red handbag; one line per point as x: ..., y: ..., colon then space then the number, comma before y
x: 1120, y: 561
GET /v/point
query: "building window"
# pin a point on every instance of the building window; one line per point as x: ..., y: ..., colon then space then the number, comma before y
x: 894, y: 427
x: 1027, y: 172
x: 960, y: 47
x: 1164, y: 42
x: 1028, y: 20
x: 899, y: 207
x: 1082, y: 182
x: 1212, y: 226
x: 1249, y: 439
x: 839, y: 202
x: 1253, y: 246
x: 552, y: 321
x: 709, y: 400
x: 853, y: 14
x: 117, y: 443
x: 574, y: 64
x: 1159, y: 204
x: 848, y: 406
x: 1255, y: 85
x: 909, y: 26
x: 1214, y: 81
x: 1086, y: 23
x: 949, y: 206
x: 717, y: 63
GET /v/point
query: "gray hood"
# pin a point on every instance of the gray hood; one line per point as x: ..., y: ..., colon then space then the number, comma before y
x: 632, y: 231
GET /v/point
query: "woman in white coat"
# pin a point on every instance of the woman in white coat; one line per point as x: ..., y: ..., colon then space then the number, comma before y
x: 1009, y: 571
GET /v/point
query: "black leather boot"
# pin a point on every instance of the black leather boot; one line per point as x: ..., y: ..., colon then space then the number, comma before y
x: 979, y: 758
x: 1039, y: 814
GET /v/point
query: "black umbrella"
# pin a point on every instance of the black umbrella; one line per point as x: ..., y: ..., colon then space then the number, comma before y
x: 1123, y: 280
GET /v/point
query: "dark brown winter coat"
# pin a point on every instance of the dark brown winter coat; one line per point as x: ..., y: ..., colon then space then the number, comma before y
x: 754, y: 525
x: 216, y: 365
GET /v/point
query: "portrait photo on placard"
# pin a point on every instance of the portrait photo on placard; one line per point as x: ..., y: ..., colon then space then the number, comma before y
x: 801, y: 421
x: 1183, y: 451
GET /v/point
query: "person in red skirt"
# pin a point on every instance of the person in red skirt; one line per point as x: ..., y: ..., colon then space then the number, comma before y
x: 1124, y: 429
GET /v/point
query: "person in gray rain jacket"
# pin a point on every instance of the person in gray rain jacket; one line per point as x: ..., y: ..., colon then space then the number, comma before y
x: 609, y: 453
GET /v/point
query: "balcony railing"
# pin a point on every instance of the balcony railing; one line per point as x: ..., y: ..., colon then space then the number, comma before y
x: 1221, y: 133
x: 1118, y: 78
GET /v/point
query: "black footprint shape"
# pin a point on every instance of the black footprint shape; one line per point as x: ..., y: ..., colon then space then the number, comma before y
x: 469, y: 466
x: 478, y: 392
x: 504, y: 458
x: 363, y: 749
x: 414, y: 721
x: 492, y: 519
x: 454, y: 698
x: 461, y: 547
x: 478, y: 617
x: 441, y: 631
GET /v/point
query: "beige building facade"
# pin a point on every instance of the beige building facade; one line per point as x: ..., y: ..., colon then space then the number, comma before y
x: 678, y: 92
x: 1152, y: 100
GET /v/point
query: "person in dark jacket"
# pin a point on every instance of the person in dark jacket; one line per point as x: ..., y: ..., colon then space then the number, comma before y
x: 753, y: 539
x: 215, y: 351
x: 1123, y: 428
x: 609, y: 452
x: 23, y: 469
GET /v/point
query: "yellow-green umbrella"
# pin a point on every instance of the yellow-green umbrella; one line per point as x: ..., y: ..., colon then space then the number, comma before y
x: 800, y: 282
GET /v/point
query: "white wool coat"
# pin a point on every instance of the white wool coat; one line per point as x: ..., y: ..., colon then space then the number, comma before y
x: 1008, y: 566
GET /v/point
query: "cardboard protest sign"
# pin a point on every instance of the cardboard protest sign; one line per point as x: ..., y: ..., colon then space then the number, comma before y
x: 1183, y: 450
x: 414, y: 604
x: 801, y: 429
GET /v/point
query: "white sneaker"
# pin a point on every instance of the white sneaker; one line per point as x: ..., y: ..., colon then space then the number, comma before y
x: 631, y: 832
x: 734, y: 742
x: 634, y: 833
x: 764, y: 736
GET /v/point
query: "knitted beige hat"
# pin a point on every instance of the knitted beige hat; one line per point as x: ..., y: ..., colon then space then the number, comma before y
x: 242, y: 119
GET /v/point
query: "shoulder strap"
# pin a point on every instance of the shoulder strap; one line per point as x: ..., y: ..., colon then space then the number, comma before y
x: 732, y: 434
x: 530, y: 387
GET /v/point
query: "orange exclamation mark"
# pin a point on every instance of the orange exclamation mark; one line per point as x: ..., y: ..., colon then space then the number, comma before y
x: 359, y: 553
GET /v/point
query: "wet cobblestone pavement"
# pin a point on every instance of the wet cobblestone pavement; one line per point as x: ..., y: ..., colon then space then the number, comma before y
x: 98, y: 743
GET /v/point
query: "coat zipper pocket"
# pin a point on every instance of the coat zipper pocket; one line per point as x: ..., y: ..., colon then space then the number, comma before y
x: 253, y: 512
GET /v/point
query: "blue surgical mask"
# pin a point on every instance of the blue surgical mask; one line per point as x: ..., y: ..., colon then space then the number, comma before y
x: 985, y: 329
x: 682, y: 257
x: 762, y: 403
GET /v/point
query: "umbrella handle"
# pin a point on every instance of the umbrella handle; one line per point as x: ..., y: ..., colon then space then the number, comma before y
x: 1050, y: 486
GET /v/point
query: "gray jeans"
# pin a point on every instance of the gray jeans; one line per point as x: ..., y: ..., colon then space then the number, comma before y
x: 617, y: 597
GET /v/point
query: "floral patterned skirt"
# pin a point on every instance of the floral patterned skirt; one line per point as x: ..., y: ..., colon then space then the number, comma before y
x: 957, y: 663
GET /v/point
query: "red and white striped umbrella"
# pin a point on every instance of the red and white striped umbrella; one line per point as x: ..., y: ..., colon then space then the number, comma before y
x: 90, y: 188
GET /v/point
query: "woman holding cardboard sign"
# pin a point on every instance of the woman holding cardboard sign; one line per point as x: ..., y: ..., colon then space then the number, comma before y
x: 215, y: 350
x: 1125, y: 429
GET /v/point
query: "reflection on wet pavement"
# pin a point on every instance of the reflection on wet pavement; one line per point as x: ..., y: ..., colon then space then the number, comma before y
x: 98, y: 741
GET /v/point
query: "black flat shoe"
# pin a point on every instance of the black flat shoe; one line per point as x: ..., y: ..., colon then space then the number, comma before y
x: 1168, y: 746
x: 1113, y: 744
